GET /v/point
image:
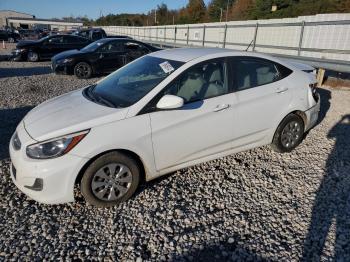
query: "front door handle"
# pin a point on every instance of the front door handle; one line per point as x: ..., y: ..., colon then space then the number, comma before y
x: 280, y: 90
x: 222, y: 107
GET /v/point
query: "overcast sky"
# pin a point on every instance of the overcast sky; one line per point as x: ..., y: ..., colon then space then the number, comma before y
x: 91, y: 8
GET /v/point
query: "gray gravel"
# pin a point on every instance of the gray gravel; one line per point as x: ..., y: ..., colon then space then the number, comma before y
x: 255, y: 205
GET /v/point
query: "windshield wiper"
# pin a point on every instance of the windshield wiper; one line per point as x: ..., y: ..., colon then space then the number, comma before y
x: 98, y: 98
x: 104, y: 101
x: 89, y: 92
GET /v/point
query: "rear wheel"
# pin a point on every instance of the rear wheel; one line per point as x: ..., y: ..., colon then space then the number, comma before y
x: 33, y: 56
x: 110, y: 180
x: 82, y: 70
x: 289, y: 134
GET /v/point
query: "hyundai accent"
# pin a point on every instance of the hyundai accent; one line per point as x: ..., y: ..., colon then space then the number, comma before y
x: 162, y: 112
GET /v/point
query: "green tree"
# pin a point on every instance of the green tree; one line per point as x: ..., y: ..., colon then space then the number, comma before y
x: 162, y: 14
x: 215, y: 7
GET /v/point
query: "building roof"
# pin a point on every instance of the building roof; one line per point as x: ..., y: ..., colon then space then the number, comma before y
x: 43, y: 20
x: 16, y: 12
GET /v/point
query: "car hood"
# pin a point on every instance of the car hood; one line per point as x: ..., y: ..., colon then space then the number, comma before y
x: 67, y: 114
x: 67, y: 54
x: 24, y: 43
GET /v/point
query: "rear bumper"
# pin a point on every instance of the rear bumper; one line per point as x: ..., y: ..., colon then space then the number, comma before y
x: 312, y: 114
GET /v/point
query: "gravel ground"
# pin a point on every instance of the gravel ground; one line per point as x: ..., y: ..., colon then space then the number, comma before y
x: 255, y: 205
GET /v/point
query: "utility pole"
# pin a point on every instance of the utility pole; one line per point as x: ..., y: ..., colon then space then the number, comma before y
x: 220, y: 14
x: 173, y: 20
x: 155, y: 16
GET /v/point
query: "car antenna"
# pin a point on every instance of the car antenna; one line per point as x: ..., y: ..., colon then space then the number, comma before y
x: 249, y: 45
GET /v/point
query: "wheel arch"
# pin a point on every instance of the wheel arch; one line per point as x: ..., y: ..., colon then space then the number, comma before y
x: 35, y: 50
x: 93, y: 68
x: 299, y: 113
x: 127, y: 152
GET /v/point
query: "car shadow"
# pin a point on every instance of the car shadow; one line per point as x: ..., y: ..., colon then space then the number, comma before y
x: 325, y: 96
x: 25, y: 71
x: 9, y: 119
x: 332, y: 202
x: 218, y: 252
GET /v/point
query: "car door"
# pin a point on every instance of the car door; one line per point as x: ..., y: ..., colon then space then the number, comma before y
x: 52, y: 46
x: 204, y: 125
x: 110, y: 56
x: 262, y: 96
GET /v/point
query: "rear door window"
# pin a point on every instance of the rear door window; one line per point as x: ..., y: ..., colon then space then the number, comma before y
x: 248, y: 72
x: 115, y: 46
x: 74, y: 40
x: 56, y: 40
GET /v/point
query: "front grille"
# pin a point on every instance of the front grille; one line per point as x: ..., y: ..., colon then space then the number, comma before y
x: 14, y: 171
x: 16, y: 142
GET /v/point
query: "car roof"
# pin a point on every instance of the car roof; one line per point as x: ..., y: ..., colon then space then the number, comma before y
x: 188, y: 54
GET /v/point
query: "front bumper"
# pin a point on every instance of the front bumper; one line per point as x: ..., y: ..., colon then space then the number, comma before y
x: 60, y: 69
x: 18, y: 56
x: 57, y: 176
x: 312, y: 114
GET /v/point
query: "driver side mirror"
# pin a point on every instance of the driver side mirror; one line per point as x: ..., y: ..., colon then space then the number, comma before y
x: 170, y: 102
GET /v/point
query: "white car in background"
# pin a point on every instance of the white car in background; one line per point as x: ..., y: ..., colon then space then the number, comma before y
x: 165, y: 111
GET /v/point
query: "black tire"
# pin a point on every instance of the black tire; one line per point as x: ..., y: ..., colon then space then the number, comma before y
x: 91, y: 178
x: 289, y: 134
x: 82, y: 70
x: 33, y: 56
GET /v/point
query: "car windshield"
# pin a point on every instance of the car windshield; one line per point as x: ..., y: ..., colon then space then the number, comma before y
x: 93, y: 46
x: 129, y: 84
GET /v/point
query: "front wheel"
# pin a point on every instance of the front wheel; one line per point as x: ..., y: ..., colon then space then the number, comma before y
x: 289, y: 134
x: 33, y: 56
x: 110, y: 180
x: 82, y: 70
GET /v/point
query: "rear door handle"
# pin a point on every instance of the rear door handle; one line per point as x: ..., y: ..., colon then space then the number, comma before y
x: 222, y: 107
x: 280, y: 90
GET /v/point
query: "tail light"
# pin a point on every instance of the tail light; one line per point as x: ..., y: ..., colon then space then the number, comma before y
x: 313, y: 87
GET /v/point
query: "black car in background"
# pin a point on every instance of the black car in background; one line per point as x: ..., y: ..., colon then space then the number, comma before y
x: 9, y: 36
x: 27, y: 34
x: 47, y: 47
x: 91, y: 33
x: 102, y: 56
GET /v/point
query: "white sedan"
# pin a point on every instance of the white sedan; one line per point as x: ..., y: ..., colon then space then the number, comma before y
x: 163, y: 112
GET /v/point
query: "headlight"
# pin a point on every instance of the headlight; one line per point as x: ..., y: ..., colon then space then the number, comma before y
x: 16, y: 143
x: 65, y: 61
x: 55, y: 147
x: 20, y: 50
